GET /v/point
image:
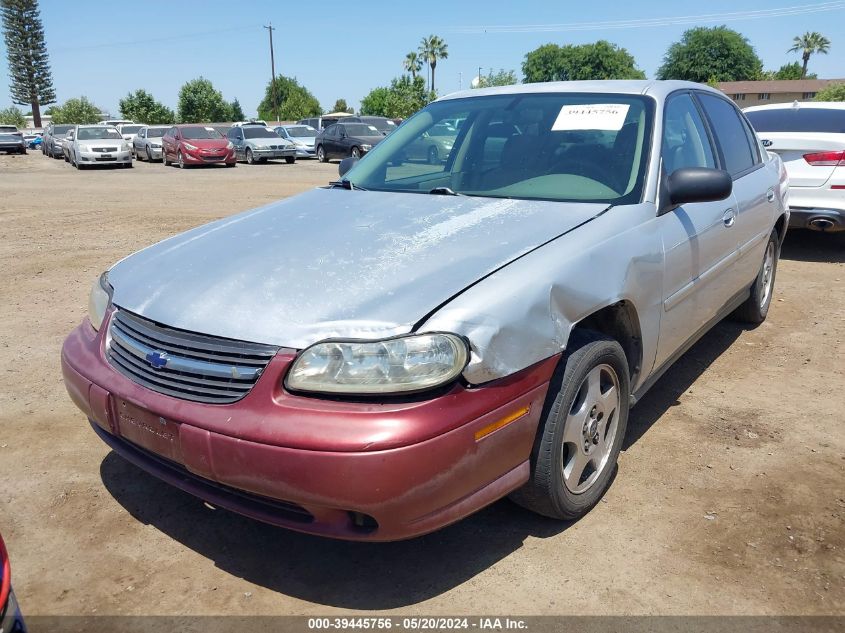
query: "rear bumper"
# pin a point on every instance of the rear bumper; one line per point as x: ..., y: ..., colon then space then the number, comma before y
x: 340, y: 462
x: 825, y: 220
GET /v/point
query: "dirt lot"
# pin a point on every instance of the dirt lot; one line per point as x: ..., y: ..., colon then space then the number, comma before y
x: 730, y: 495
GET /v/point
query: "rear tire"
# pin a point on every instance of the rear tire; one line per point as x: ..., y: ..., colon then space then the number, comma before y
x: 582, y: 427
x: 755, y: 309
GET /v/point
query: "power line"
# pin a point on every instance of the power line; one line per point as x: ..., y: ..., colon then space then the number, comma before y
x: 655, y: 22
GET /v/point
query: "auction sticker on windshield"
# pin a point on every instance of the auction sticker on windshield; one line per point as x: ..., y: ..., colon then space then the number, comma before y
x: 601, y: 116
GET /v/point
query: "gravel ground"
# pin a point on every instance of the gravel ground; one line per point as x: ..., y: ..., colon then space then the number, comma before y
x: 729, y: 499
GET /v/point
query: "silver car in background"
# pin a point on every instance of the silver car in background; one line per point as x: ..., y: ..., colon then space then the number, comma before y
x: 54, y: 138
x: 303, y: 136
x: 98, y: 145
x: 258, y: 144
x: 147, y: 143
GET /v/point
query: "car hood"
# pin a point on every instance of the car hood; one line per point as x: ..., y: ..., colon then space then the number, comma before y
x: 101, y: 142
x: 333, y: 263
x: 207, y: 143
x: 304, y: 140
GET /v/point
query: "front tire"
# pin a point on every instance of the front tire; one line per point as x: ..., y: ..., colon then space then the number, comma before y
x: 433, y: 156
x: 755, y: 309
x: 180, y: 160
x: 355, y: 153
x: 290, y: 160
x: 250, y: 159
x: 321, y: 155
x: 164, y: 160
x: 581, y: 429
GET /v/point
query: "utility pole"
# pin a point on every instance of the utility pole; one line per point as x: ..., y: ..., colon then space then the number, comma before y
x: 273, y: 73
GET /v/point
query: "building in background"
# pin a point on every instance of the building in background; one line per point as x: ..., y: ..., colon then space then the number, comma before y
x: 751, y: 93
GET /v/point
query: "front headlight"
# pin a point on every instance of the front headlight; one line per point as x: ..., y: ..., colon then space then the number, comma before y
x: 193, y: 148
x: 229, y: 145
x: 366, y: 148
x: 407, y: 363
x: 99, y: 300
x: 125, y: 146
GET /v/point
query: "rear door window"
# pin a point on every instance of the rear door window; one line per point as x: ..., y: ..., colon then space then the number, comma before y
x: 725, y: 122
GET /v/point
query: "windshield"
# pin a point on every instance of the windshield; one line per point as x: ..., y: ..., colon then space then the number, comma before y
x: 62, y: 129
x: 156, y: 132
x: 383, y: 125
x: 567, y: 146
x: 305, y: 131
x: 130, y: 129
x: 259, y: 132
x: 798, y: 120
x: 97, y: 133
x: 200, y: 132
x: 361, y: 129
x: 9, y: 136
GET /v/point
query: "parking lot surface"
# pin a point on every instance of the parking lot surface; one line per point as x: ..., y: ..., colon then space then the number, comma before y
x: 729, y: 497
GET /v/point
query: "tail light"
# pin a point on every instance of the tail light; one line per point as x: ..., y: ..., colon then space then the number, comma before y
x: 826, y: 159
x: 5, y: 577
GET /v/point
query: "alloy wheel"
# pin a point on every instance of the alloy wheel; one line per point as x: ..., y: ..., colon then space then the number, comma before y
x: 590, y: 429
x: 768, y: 276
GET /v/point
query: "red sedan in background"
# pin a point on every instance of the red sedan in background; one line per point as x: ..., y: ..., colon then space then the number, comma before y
x: 196, y: 145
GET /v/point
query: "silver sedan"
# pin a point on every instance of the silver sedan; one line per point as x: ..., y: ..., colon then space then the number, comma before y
x: 147, y: 143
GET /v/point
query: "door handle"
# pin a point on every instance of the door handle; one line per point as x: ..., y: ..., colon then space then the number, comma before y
x: 729, y: 218
x: 770, y: 195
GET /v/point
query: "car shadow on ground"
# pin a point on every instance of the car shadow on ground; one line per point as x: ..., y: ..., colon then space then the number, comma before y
x: 372, y: 576
x: 367, y: 576
x: 813, y: 246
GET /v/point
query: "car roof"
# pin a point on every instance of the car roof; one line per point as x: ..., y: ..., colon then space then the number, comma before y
x: 825, y: 105
x: 658, y: 89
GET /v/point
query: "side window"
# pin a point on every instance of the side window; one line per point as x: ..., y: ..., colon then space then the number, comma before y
x: 730, y: 133
x: 685, y: 141
x: 331, y: 131
x: 752, y: 140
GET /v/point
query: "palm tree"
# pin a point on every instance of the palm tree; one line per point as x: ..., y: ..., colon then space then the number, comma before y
x: 412, y: 64
x: 808, y: 44
x: 433, y: 48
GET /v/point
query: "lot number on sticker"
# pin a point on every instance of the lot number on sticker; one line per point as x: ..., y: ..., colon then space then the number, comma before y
x: 605, y: 116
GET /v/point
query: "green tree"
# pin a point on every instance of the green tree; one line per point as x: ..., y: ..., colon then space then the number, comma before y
x: 237, y: 111
x: 704, y: 53
x: 200, y: 102
x: 296, y: 102
x: 376, y: 102
x: 501, y: 78
x: 433, y: 48
x: 600, y: 60
x: 788, y: 71
x: 12, y: 116
x: 140, y: 106
x: 30, y: 80
x: 833, y: 92
x: 400, y: 100
x: 412, y: 64
x: 809, y: 44
x: 341, y: 106
x: 78, y: 110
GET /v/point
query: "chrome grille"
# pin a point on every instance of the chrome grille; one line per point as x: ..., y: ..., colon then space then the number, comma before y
x: 182, y: 364
x: 104, y: 149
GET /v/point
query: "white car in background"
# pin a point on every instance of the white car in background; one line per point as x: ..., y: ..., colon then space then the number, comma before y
x: 129, y: 131
x: 810, y: 138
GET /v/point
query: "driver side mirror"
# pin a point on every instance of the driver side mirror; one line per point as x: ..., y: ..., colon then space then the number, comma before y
x: 346, y: 164
x: 698, y: 184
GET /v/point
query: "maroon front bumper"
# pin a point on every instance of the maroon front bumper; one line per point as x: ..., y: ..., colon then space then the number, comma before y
x: 318, y: 465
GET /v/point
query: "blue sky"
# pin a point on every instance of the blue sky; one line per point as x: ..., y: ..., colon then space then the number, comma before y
x: 339, y: 49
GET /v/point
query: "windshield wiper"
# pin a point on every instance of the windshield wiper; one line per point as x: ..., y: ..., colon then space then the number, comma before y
x: 444, y: 191
x: 346, y: 184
